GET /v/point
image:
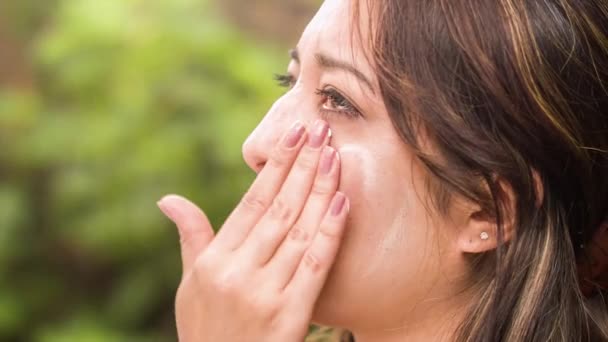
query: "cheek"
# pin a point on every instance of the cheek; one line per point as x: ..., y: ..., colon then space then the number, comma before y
x: 376, y: 184
x: 386, y: 240
x: 359, y: 174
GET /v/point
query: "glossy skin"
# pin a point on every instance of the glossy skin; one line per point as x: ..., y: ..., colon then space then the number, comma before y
x: 400, y: 271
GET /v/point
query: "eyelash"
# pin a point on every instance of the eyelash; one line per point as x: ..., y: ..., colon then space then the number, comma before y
x: 337, y: 100
x: 285, y: 80
x: 328, y: 94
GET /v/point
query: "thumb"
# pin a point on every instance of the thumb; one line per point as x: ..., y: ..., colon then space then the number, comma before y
x: 195, y: 231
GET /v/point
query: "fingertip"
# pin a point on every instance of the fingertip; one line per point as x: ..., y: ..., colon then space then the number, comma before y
x: 339, y: 204
x: 170, y: 198
x: 175, y: 206
x: 194, y: 228
x: 176, y: 201
x: 184, y: 213
x: 166, y: 206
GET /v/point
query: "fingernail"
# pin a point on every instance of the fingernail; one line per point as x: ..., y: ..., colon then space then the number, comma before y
x: 319, y: 134
x: 338, y: 204
x: 167, y: 209
x: 327, y: 160
x: 294, y: 135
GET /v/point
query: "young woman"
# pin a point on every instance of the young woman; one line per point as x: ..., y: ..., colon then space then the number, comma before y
x: 436, y: 171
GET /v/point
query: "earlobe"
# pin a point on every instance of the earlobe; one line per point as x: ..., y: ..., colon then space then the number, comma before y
x: 478, y: 237
x: 480, y: 233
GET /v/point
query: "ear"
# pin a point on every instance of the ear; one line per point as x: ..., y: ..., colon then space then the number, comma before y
x: 480, y: 230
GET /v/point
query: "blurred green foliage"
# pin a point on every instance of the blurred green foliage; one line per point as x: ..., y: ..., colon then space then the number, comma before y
x: 133, y: 99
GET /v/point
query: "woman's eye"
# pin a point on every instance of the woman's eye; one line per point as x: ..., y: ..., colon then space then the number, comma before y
x: 334, y: 102
x: 285, y: 80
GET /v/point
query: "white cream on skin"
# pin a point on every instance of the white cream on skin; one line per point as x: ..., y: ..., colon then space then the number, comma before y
x: 359, y: 185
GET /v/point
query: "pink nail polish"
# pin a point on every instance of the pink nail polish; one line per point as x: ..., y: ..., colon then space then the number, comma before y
x: 327, y: 160
x: 338, y: 204
x: 294, y: 135
x: 319, y: 134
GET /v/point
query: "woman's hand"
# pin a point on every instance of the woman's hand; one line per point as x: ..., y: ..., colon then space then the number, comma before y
x: 259, y: 278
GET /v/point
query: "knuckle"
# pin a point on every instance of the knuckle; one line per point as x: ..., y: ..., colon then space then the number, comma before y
x: 264, y: 305
x: 253, y: 202
x: 322, y: 187
x: 188, y: 236
x: 279, y: 158
x: 329, y: 234
x: 297, y: 233
x: 306, y: 161
x: 280, y: 210
x: 273, y: 309
x: 202, y: 270
x: 312, y: 262
x: 205, y: 266
x: 265, y: 236
x: 228, y: 282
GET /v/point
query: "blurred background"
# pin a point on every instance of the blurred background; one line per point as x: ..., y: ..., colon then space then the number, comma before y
x: 105, y: 106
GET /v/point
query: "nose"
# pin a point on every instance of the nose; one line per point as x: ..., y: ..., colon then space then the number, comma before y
x: 288, y: 109
x: 260, y: 143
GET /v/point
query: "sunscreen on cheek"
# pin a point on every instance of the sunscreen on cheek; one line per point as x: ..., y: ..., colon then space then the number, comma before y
x: 358, y: 172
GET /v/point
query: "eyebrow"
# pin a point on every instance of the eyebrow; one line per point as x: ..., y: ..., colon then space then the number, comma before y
x: 330, y: 63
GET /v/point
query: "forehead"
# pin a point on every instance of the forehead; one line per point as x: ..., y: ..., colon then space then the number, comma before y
x: 331, y: 32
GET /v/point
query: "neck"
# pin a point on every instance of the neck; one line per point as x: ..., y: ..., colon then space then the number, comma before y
x: 431, y: 321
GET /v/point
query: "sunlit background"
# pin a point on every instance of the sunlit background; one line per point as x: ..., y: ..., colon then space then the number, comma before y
x: 106, y: 105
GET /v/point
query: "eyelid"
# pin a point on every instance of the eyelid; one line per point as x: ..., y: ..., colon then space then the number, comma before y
x: 323, y: 91
x: 288, y: 80
x: 331, y: 93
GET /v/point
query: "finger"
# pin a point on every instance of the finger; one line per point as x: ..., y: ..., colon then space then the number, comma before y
x: 266, y: 236
x: 258, y: 198
x: 286, y: 259
x: 195, y: 231
x: 312, y: 271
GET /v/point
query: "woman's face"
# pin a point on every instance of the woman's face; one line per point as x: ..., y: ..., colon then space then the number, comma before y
x: 395, y: 250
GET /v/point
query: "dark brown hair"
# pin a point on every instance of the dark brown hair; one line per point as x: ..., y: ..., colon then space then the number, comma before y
x: 509, y: 92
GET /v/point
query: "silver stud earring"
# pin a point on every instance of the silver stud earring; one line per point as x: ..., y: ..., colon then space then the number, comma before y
x: 484, y: 236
